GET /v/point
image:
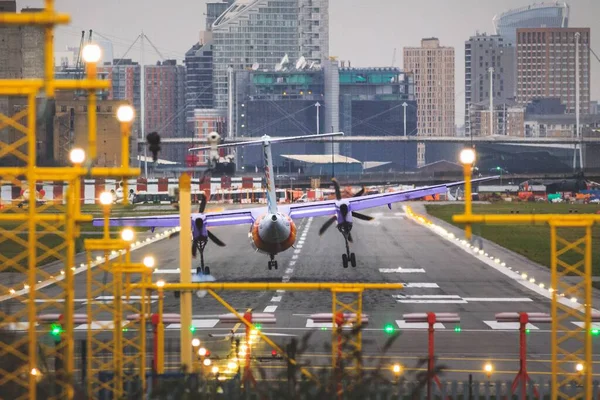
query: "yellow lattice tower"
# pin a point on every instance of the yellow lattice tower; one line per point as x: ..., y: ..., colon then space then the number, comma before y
x: 136, y: 304
x: 571, y: 346
x: 346, y: 306
x: 571, y: 342
x: 35, y: 234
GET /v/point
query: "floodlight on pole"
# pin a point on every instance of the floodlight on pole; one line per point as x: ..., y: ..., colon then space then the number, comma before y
x: 202, y: 351
x: 397, y: 368
x: 207, y: 362
x: 467, y: 156
x: 125, y: 113
x: 195, y: 342
x: 91, y: 53
x: 149, y: 262
x: 106, y: 198
x: 160, y: 283
x: 127, y: 234
x: 77, y: 156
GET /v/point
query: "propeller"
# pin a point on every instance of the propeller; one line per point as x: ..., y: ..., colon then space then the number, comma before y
x: 344, y: 209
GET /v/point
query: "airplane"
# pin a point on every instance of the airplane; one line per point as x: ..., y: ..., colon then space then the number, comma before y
x: 273, y: 228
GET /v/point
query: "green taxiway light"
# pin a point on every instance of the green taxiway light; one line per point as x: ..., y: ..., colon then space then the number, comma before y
x: 595, y: 332
x: 389, y: 329
x: 192, y: 329
x: 56, y: 329
x: 457, y: 329
x: 258, y: 327
x: 527, y: 331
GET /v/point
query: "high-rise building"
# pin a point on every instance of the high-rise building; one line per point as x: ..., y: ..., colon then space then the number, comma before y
x: 279, y: 103
x: 165, y: 103
x: 214, y: 11
x: 433, y: 69
x: 125, y: 76
x: 372, y: 102
x: 543, y: 15
x: 259, y: 34
x: 483, y: 52
x: 546, y: 65
x: 199, y: 77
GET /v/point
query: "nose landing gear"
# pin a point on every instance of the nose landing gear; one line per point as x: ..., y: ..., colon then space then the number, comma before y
x: 272, y: 263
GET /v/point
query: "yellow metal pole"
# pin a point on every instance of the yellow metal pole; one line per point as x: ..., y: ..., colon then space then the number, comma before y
x: 49, y: 51
x: 90, y: 336
x: 185, y: 265
x: 358, y: 343
x: 554, y: 310
x: 334, y: 333
x: 588, y: 367
x: 92, y: 117
x: 69, y: 309
x: 468, y: 199
x: 118, y: 331
x: 160, y: 336
x: 32, y: 246
x: 143, y: 310
x: 125, y: 129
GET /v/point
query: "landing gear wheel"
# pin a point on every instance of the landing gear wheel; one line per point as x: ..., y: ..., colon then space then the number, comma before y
x: 345, y: 260
x: 353, y: 260
x: 270, y: 265
x: 275, y: 264
x: 207, y: 270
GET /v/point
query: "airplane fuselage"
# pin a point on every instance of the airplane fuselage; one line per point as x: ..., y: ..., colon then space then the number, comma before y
x: 273, y: 233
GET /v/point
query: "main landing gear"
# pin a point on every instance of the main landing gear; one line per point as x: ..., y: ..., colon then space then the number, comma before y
x: 272, y: 263
x: 199, y: 247
x: 348, y: 257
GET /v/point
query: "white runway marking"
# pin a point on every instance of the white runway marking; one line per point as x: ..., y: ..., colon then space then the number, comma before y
x: 289, y: 271
x: 400, y: 214
x: 402, y: 270
x: 432, y: 301
x: 507, y: 325
x: 299, y: 246
x: 297, y: 251
x: 197, y: 323
x: 276, y: 299
x: 292, y: 263
x: 281, y: 291
x: 99, y: 326
x: 499, y: 299
x: 167, y: 271
x: 270, y: 309
x: 402, y: 324
x: 424, y: 296
x: 295, y: 257
x: 421, y: 285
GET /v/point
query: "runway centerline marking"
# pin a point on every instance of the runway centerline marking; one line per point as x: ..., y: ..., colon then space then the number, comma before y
x: 270, y: 309
x: 401, y: 270
x: 419, y: 285
x: 276, y: 299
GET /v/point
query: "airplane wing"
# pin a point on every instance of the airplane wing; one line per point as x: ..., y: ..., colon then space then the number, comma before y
x: 328, y: 207
x: 221, y: 218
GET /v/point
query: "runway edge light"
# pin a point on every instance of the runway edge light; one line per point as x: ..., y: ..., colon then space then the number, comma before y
x: 389, y: 329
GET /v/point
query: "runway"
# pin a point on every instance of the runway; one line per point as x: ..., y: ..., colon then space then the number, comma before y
x: 438, y: 277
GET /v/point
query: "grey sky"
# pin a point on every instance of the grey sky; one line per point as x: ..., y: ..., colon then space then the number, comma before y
x: 362, y: 31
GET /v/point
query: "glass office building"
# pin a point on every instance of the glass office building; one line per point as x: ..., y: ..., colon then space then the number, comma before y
x: 544, y: 15
x: 258, y: 34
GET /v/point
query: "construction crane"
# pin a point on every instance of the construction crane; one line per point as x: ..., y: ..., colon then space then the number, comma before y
x: 79, y: 67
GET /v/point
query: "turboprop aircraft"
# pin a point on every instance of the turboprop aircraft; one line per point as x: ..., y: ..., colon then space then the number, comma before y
x: 273, y: 228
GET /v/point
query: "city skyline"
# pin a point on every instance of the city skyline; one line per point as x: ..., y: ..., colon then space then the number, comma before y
x: 368, y: 42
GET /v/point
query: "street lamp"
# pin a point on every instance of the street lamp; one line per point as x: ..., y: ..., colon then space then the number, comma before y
x: 106, y: 198
x: 91, y: 53
x: 207, y: 362
x: 160, y: 283
x: 488, y: 368
x: 77, y: 156
x: 467, y: 159
x: 195, y: 342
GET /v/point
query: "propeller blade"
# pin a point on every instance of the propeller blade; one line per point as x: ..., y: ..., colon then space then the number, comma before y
x: 338, y: 192
x: 362, y: 216
x: 215, y: 239
x: 327, y: 224
x: 202, y: 203
x: 350, y: 238
x: 360, y: 192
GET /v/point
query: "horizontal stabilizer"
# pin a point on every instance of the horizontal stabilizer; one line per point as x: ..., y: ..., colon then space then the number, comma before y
x: 268, y: 139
